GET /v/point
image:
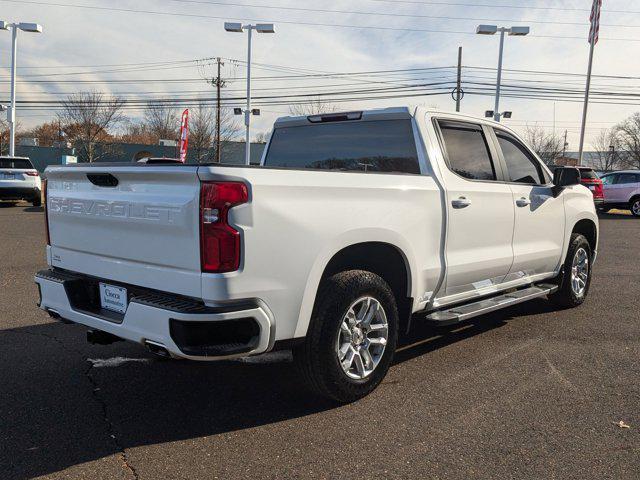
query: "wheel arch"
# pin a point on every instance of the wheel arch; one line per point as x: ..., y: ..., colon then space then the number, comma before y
x: 589, y: 229
x: 384, y: 258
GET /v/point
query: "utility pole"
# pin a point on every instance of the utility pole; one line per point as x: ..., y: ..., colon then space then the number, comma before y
x: 219, y: 83
x: 458, y: 83
x: 564, y: 145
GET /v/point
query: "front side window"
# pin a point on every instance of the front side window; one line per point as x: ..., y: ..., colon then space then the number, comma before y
x: 467, y: 150
x: 521, y: 166
x: 370, y: 146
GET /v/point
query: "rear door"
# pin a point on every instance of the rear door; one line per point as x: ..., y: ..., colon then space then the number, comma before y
x: 480, y: 210
x: 538, y: 233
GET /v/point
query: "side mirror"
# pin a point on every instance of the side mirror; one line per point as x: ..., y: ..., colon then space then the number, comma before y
x: 565, y: 177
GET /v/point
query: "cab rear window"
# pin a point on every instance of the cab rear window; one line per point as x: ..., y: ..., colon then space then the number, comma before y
x: 17, y: 163
x: 369, y: 146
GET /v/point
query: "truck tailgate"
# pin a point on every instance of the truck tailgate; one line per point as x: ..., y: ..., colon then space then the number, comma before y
x: 144, y: 230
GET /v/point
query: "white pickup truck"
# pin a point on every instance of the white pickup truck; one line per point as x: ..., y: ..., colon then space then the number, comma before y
x: 354, y: 225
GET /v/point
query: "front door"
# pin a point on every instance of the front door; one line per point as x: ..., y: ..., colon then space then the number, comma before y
x: 538, y: 234
x: 480, y: 212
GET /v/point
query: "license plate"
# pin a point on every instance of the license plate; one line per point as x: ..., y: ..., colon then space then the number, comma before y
x: 8, y: 176
x: 592, y: 187
x: 113, y: 298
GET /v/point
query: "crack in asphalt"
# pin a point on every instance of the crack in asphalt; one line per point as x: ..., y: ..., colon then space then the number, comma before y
x: 95, y: 389
x: 110, y: 427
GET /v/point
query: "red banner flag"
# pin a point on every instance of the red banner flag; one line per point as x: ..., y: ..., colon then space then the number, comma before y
x: 184, y: 136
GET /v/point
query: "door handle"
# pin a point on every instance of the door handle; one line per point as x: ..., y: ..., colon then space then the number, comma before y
x: 523, y: 202
x: 460, y: 202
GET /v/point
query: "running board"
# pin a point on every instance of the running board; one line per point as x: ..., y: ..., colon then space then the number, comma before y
x: 461, y: 313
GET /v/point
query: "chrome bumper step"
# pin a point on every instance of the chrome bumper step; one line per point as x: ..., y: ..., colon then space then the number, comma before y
x: 466, y: 311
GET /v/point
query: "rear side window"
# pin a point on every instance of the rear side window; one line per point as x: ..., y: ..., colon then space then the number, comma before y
x: 608, y: 179
x: 17, y: 163
x: 467, y: 150
x: 521, y: 166
x: 374, y: 146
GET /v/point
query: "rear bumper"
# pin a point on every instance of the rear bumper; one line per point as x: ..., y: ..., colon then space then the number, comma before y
x: 184, y: 327
x: 19, y: 193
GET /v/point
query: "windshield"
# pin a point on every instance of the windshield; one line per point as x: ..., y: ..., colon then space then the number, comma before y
x: 374, y: 146
x: 18, y: 163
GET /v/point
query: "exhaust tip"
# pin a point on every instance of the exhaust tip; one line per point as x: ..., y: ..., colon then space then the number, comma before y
x: 157, y: 349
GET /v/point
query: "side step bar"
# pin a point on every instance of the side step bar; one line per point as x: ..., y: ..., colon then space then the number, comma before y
x: 463, y: 312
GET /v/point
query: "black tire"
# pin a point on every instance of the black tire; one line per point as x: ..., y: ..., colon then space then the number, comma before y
x: 565, y: 296
x: 37, y: 200
x: 634, y: 206
x: 317, y: 358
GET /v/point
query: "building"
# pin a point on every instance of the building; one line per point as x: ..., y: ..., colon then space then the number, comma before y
x: 231, y: 153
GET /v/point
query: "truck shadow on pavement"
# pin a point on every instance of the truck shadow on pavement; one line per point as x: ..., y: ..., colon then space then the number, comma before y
x: 60, y: 409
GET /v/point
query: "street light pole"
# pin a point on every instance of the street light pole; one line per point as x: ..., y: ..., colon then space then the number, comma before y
x: 247, y: 112
x: 496, y: 109
x: 12, y: 109
x: 239, y: 28
x: 11, y: 116
x: 492, y: 30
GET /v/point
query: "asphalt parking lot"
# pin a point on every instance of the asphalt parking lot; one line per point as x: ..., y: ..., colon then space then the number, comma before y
x: 525, y: 393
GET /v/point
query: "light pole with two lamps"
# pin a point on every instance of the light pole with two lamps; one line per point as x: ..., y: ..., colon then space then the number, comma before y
x: 11, y: 114
x: 239, y: 28
x: 492, y: 30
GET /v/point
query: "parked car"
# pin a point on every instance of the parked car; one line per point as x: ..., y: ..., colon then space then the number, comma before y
x: 622, y: 190
x: 355, y: 225
x: 590, y: 179
x: 19, y: 180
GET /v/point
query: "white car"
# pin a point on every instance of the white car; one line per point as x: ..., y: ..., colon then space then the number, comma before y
x: 355, y: 225
x: 19, y: 180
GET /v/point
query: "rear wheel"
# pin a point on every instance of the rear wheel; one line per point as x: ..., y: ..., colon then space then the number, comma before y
x: 352, y: 336
x: 576, y: 279
x: 37, y: 200
x: 634, y: 206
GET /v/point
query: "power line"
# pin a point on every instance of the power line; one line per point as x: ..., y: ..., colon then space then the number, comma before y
x: 387, y: 14
x: 291, y: 22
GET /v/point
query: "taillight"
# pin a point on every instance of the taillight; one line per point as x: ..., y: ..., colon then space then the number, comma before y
x: 220, y: 242
x: 598, y: 192
x: 33, y: 174
x: 46, y: 212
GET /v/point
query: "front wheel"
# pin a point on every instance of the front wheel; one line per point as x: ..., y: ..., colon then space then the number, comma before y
x: 634, y: 206
x: 576, y: 279
x: 352, y: 336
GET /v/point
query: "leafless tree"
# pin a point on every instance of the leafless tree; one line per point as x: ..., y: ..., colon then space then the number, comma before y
x: 201, y: 131
x: 229, y: 129
x: 162, y: 121
x: 262, y: 137
x: 86, y: 119
x: 548, y: 146
x: 628, y: 133
x: 313, y: 107
x: 605, y: 157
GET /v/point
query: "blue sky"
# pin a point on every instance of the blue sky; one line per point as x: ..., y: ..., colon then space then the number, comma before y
x: 76, y: 41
